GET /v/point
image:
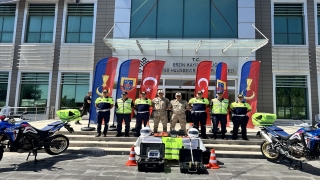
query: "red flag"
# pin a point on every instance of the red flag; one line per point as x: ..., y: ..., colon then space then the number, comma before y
x: 151, y: 77
x: 202, y: 82
x: 110, y: 73
x: 203, y: 78
x: 249, y: 86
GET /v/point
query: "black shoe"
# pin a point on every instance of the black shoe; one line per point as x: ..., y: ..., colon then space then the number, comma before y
x: 224, y: 137
x: 136, y: 135
x: 126, y: 135
x: 98, y: 135
x: 214, y: 136
x: 118, y: 135
x: 104, y: 135
x: 78, y: 123
x: 245, y: 139
x: 205, y: 137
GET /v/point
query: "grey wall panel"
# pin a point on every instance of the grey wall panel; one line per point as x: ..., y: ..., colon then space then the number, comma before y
x: 313, y: 64
x: 54, y: 87
x: 13, y: 83
x: 263, y: 23
x: 104, y: 22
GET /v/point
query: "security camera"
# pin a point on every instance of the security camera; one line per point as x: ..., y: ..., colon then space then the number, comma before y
x: 246, y: 58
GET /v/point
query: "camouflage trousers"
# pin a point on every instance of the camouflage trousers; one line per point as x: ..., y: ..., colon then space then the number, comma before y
x: 160, y: 116
x: 182, y: 120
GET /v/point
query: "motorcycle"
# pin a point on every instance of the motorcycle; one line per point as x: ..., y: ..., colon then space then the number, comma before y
x: 22, y: 137
x: 303, y: 145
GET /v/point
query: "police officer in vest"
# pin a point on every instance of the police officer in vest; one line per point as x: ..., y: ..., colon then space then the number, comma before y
x: 220, y: 108
x: 199, y: 105
x: 142, y: 106
x: 103, y: 105
x: 239, y: 117
x: 123, y: 112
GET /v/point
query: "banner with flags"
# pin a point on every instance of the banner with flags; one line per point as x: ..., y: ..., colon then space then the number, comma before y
x: 104, y: 75
x: 128, y: 79
x: 249, y: 86
x: 221, y: 82
x: 151, y: 77
x: 202, y: 82
x: 203, y: 78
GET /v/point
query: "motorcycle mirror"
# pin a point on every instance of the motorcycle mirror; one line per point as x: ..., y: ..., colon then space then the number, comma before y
x: 26, y: 112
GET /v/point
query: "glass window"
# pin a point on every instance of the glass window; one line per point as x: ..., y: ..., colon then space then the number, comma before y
x: 7, y: 19
x: 288, y: 24
x: 318, y: 19
x: 40, y: 23
x: 74, y: 88
x: 79, y: 23
x: 4, y: 77
x: 184, y: 19
x: 291, y: 97
x: 34, y: 91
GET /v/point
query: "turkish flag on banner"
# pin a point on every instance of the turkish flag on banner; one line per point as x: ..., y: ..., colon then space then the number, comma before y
x: 203, y: 78
x: 202, y: 82
x: 151, y: 77
x: 249, y: 86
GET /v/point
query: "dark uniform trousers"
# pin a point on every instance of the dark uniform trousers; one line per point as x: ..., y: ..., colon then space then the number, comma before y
x: 239, y: 121
x: 222, y: 118
x: 127, y: 119
x: 202, y: 118
x: 139, y: 117
x: 106, y: 117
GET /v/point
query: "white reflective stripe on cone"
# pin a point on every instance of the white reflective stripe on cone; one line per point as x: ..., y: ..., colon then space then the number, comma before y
x: 132, y: 158
x: 213, y: 161
x: 132, y: 152
x: 213, y: 155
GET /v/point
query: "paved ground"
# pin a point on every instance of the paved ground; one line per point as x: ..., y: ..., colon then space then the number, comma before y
x: 99, y: 166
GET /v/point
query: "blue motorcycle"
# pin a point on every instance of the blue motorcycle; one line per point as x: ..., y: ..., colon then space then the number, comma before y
x: 303, y: 145
x: 22, y: 137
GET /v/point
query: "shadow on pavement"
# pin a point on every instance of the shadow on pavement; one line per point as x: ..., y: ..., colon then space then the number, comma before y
x: 47, y: 163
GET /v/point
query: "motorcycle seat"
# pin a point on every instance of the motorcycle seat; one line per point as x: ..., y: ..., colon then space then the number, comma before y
x: 284, y: 135
x: 50, y: 126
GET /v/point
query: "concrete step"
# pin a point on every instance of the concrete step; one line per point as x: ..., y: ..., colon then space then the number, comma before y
x: 126, y: 151
x: 112, y: 144
x: 133, y: 139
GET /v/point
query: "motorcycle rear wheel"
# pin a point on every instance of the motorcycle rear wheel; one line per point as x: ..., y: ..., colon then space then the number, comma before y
x: 270, y: 156
x: 55, y: 150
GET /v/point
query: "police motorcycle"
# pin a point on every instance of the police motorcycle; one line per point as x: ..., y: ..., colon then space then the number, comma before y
x: 22, y: 137
x: 303, y: 145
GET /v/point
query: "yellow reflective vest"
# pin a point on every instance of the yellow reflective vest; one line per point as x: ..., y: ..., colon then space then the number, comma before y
x: 172, y: 147
x: 124, y: 107
x: 220, y: 107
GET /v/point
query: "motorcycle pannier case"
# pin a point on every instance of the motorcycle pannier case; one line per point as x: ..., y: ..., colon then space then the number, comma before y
x: 146, y: 164
x: 263, y: 119
x: 185, y: 161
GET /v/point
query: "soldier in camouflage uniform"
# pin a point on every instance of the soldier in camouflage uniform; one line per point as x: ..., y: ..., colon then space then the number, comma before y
x: 179, y: 107
x: 160, y: 106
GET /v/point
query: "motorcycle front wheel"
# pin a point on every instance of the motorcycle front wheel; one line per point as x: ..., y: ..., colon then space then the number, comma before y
x: 63, y: 144
x: 1, y: 154
x: 271, y: 156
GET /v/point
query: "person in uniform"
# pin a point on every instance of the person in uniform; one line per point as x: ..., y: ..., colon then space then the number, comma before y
x: 178, y: 107
x: 123, y: 112
x: 160, y: 106
x: 142, y: 106
x: 219, y: 109
x: 103, y: 105
x: 239, y: 117
x: 199, y: 114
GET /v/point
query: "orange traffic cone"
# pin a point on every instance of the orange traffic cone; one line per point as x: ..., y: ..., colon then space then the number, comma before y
x: 132, y: 158
x: 213, y: 161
